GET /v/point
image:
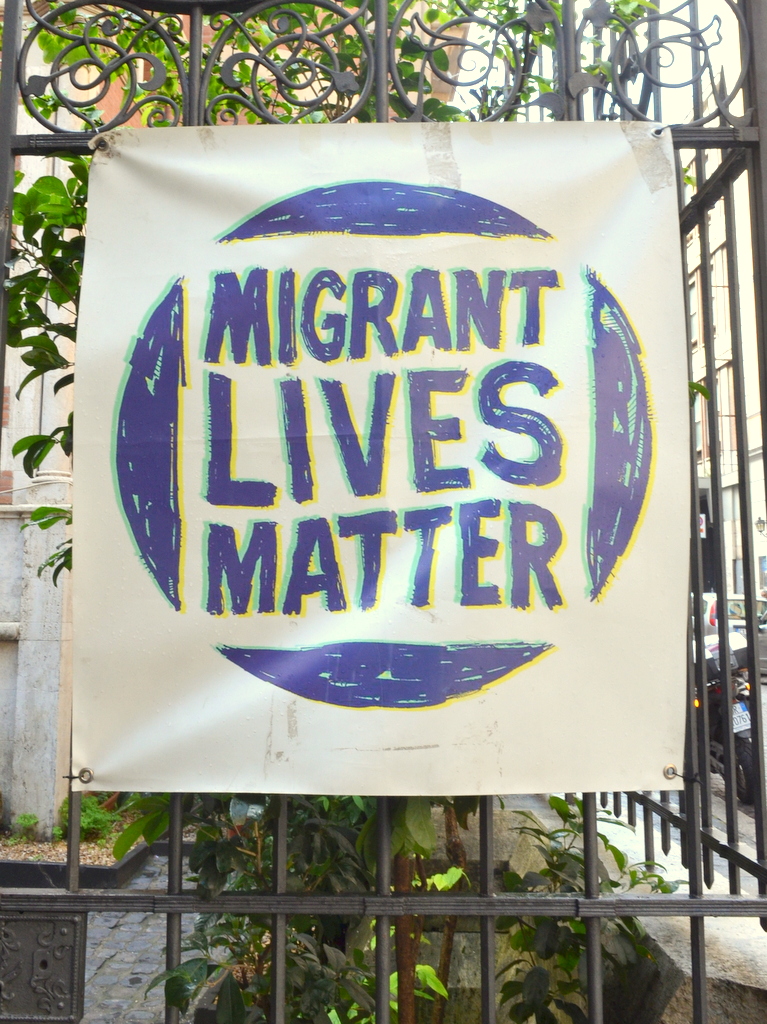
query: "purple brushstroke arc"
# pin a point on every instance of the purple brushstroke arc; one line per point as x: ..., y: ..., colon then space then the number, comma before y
x: 622, y: 432
x: 146, y: 446
x: 368, y: 674
x: 385, y: 208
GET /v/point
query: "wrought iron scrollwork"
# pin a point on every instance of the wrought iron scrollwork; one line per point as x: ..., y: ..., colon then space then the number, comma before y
x: 283, y: 62
x: 108, y: 65
x: 500, y: 67
x: 650, y: 53
x: 485, y: 65
x: 280, y: 64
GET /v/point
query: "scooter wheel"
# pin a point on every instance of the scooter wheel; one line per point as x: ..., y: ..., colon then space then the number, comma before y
x: 744, y: 770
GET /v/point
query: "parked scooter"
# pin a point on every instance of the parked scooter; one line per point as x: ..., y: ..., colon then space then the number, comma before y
x: 741, y: 717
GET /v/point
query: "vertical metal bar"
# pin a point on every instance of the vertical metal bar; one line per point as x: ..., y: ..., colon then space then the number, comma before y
x: 570, y: 58
x: 689, y: 797
x: 691, y: 848
x: 746, y: 520
x: 381, y: 57
x: 604, y: 799
x: 383, y: 888
x: 717, y: 530
x: 652, y: 37
x: 617, y: 804
x: 73, y: 839
x: 697, y: 718
x: 683, y: 829
x: 631, y: 810
x: 8, y: 115
x: 593, y: 924
x: 697, y: 90
x: 487, y: 924
x: 193, y: 116
x: 173, y: 926
x: 756, y: 97
x: 649, y: 834
x: 756, y: 16
x: 665, y: 828
x: 279, y: 921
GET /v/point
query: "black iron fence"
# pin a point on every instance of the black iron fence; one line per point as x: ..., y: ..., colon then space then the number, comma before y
x: 83, y: 67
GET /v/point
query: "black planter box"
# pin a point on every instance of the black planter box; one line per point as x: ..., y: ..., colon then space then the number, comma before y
x: 38, y: 874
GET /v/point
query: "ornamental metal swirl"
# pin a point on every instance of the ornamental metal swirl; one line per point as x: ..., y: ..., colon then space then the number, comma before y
x: 109, y: 65
x: 276, y: 63
x: 106, y: 65
x: 517, y: 65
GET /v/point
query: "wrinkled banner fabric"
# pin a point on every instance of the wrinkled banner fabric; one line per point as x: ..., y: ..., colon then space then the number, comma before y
x: 382, y: 461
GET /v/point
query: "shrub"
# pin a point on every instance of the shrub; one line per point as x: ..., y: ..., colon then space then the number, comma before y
x: 26, y: 826
x: 96, y: 823
x: 547, y: 971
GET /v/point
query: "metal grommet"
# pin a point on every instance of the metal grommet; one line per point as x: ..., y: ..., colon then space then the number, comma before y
x: 670, y: 772
x: 85, y: 775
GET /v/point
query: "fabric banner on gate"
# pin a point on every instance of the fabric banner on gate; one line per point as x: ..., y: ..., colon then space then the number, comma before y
x: 382, y: 477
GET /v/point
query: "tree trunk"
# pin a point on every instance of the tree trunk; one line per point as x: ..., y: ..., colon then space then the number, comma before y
x: 456, y: 854
x: 405, y: 942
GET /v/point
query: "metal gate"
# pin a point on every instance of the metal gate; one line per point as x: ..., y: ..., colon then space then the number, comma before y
x: 606, y: 60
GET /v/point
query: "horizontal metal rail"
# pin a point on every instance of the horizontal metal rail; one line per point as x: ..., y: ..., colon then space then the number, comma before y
x: 692, y: 137
x: 684, y: 138
x: 352, y: 904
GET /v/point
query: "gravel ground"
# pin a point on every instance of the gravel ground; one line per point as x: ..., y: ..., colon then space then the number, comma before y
x: 55, y: 853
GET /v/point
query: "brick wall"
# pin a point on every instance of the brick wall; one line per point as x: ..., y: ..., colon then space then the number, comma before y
x: 6, y: 477
x: 6, y: 483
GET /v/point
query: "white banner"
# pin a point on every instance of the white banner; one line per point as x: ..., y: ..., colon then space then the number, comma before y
x: 382, y: 461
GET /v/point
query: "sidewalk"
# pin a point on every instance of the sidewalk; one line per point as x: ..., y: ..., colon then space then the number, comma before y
x: 124, y: 953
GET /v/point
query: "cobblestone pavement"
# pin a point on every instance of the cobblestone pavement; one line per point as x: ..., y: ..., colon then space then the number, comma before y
x: 124, y: 952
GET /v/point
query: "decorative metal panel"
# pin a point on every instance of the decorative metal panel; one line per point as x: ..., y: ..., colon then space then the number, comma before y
x: 42, y: 967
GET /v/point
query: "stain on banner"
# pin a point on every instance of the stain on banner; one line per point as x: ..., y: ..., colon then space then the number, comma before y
x: 381, y: 445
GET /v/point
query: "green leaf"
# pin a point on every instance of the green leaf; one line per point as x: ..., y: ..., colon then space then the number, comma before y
x: 546, y: 938
x: 51, y: 186
x: 47, y: 516
x: 563, y: 809
x: 230, y: 1008
x: 63, y: 382
x: 127, y: 838
x: 543, y: 1015
x: 357, y: 993
x: 534, y: 880
x: 155, y: 825
x: 449, y: 879
x: 441, y: 60
x: 419, y: 824
x: 463, y: 807
x: 335, y: 957
x: 427, y: 976
x: 696, y: 388
x: 535, y: 987
x: 366, y: 842
x: 573, y: 1011
x: 178, y: 991
x: 411, y: 47
x: 24, y: 443
x: 619, y: 856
